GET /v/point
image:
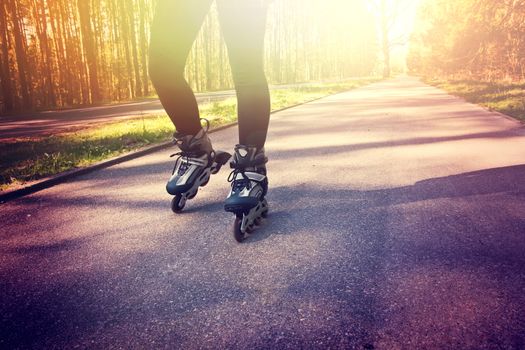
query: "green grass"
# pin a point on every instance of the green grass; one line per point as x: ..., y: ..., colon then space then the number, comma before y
x: 504, y: 97
x: 27, y: 160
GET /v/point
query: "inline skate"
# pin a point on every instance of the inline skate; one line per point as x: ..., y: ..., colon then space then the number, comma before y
x: 196, y: 162
x: 249, y: 186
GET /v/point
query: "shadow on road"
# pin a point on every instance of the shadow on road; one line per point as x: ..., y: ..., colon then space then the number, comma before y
x: 361, y: 234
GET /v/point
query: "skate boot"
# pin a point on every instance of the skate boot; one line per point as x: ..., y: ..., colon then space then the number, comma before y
x: 249, y: 186
x: 195, y: 163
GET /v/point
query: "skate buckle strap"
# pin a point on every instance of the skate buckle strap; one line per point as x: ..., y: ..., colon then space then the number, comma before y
x: 241, y: 178
x: 251, y: 164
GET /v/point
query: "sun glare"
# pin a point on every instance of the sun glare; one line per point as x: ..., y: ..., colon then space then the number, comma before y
x: 399, y: 17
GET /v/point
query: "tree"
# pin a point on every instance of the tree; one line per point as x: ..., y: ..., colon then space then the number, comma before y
x: 389, y: 14
x: 20, y: 53
x: 5, y: 77
x: 84, y: 11
x: 68, y: 53
x: 470, y: 38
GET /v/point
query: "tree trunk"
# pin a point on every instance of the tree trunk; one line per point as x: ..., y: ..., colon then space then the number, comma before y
x: 21, y: 58
x: 41, y: 21
x: 84, y: 12
x: 133, y: 38
x: 385, y: 41
x: 144, y: 47
x: 7, y: 89
x: 126, y: 37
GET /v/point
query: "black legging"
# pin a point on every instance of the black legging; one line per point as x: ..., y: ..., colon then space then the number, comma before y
x: 175, y: 27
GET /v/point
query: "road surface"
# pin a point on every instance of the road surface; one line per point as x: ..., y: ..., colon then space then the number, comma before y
x: 397, y: 222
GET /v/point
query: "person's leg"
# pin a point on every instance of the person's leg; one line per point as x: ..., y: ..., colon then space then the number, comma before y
x: 175, y: 26
x: 243, y: 24
x: 174, y: 29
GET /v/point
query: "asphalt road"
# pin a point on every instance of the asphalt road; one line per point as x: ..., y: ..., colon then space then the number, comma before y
x: 397, y: 222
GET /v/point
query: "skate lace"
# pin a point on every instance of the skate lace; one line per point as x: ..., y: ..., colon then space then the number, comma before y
x: 185, y: 156
x: 239, y: 185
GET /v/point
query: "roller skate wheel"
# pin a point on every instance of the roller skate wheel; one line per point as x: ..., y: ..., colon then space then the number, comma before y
x: 237, y: 233
x: 192, y: 195
x: 177, y: 203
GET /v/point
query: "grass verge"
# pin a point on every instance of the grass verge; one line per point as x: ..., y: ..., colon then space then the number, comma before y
x: 26, y: 160
x: 507, y: 98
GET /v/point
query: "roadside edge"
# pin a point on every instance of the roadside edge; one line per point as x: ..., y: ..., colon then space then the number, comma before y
x: 57, y: 179
x: 488, y: 109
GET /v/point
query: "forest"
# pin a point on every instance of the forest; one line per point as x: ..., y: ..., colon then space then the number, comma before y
x: 476, y: 39
x: 62, y: 53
